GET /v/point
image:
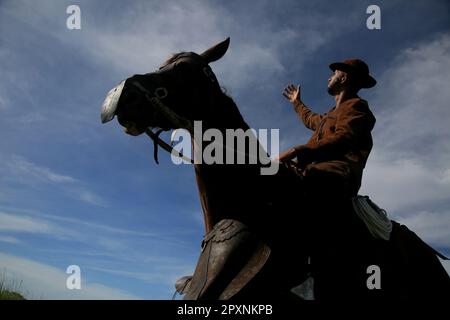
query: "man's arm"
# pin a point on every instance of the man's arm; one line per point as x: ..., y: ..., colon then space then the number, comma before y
x: 309, y: 118
x: 351, y: 126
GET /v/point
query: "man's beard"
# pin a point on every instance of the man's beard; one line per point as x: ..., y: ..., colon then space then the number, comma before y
x: 332, y: 88
x: 330, y: 91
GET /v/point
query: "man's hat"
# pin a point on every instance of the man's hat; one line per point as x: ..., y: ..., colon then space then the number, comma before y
x: 358, y: 68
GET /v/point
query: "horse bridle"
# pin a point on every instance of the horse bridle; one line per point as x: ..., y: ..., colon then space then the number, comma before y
x: 155, y: 100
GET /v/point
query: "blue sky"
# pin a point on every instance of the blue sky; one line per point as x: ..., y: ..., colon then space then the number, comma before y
x: 73, y: 191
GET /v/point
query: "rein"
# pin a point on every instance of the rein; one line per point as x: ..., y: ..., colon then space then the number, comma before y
x: 155, y: 101
x: 157, y: 141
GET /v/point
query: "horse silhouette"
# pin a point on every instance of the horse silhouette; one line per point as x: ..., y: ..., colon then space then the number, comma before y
x: 264, y: 235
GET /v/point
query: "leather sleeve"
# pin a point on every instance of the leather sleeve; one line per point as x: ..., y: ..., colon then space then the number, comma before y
x: 309, y: 118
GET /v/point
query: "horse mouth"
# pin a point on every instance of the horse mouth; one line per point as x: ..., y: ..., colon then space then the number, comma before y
x: 133, y: 131
x: 130, y: 127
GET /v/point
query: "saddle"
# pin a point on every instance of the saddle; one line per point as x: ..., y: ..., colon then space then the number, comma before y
x: 231, y: 256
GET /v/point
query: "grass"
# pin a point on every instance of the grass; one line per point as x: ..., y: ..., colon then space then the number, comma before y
x: 10, y: 288
x: 9, y: 295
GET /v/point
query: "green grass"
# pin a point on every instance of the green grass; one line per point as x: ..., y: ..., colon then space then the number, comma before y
x: 9, y: 295
x: 10, y: 288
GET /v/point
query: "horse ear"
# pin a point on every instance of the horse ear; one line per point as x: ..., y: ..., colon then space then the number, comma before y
x: 217, y: 51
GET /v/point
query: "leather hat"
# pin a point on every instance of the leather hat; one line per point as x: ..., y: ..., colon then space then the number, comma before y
x: 357, y: 68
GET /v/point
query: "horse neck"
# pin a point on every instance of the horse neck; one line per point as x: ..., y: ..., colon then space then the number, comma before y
x: 225, y: 190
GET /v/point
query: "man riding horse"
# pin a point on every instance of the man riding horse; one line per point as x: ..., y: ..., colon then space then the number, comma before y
x: 332, y: 161
x: 327, y: 171
x: 257, y: 245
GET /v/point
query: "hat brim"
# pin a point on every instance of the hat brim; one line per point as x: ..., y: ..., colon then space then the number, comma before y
x: 366, y: 81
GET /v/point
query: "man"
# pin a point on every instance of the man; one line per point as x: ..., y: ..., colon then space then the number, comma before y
x: 332, y: 162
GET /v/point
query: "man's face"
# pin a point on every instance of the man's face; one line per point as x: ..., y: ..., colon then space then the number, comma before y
x: 336, y: 82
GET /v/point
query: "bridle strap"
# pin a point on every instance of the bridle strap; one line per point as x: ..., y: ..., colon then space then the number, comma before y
x: 157, y: 141
x: 159, y: 105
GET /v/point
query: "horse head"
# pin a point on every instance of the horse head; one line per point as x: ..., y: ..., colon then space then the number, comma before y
x: 181, y: 91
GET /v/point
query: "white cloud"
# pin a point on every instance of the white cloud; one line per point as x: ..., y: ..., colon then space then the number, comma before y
x: 46, y: 282
x: 9, y: 239
x: 111, y: 244
x: 22, y: 224
x: 413, y: 97
x: 110, y: 230
x: 432, y: 227
x: 408, y: 171
x: 14, y: 223
x: 24, y: 170
x: 91, y: 198
x: 401, y: 183
x: 142, y: 34
x: 18, y: 170
x: 101, y: 237
x: 167, y: 275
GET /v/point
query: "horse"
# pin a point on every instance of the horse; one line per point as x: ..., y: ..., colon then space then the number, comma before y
x: 263, y: 237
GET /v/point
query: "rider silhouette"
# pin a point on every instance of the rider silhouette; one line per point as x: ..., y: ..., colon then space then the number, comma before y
x: 331, y: 163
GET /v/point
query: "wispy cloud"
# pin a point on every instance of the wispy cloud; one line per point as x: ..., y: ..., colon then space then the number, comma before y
x: 25, y: 171
x: 140, y: 44
x: 110, y: 250
x: 21, y: 224
x: 104, y: 238
x: 47, y: 282
x: 14, y: 223
x: 104, y: 228
x: 19, y: 170
x: 165, y: 275
x: 8, y: 239
x: 90, y: 197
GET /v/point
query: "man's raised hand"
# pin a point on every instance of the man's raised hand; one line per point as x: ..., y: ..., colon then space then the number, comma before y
x: 292, y: 93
